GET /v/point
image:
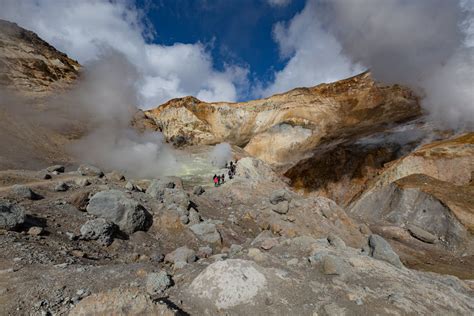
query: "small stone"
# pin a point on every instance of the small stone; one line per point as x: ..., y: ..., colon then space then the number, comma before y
x: 82, y: 182
x: 256, y: 254
x: 182, y: 254
x: 61, y: 265
x: 269, y: 243
x: 88, y: 170
x: 157, y: 282
x: 79, y: 199
x: 336, y: 241
x: 381, y: 250
x: 198, y: 190
x: 44, y: 175
x: 280, y: 196
x: 281, y: 208
x: 115, y: 176
x: 35, y: 231
x: 184, y: 219
x: 78, y: 253
x: 61, y: 187
x: 194, y: 217
x: 234, y: 249
x: 71, y: 236
x: 157, y: 257
x: 333, y: 265
x: 204, y: 252
x: 99, y: 229
x: 56, y: 168
x: 129, y: 186
x: 422, y: 234
x: 206, y: 231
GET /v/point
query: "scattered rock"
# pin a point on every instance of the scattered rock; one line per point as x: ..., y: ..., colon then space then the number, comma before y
x: 88, y: 170
x: 157, y: 187
x: 194, y: 217
x: 204, y: 252
x: 44, y: 175
x: 281, y: 207
x: 24, y: 192
x: 61, y: 187
x: 157, y: 282
x: 35, y: 231
x: 333, y: 265
x: 115, y: 176
x: 380, y: 249
x: 229, y: 283
x: 11, y: 215
x: 235, y: 249
x: 176, y: 198
x: 336, y: 241
x: 99, y: 229
x: 116, y: 207
x: 207, y: 232
x: 181, y: 255
x: 56, y: 168
x: 82, y: 182
x: 79, y: 199
x: 280, y: 196
x: 422, y: 234
x: 198, y: 190
x: 268, y: 244
x: 129, y: 186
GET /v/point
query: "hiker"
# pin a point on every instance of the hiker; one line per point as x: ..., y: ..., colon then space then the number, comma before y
x: 216, y: 182
x: 226, y: 165
x: 231, y: 175
x: 219, y: 180
x: 231, y: 165
x: 223, y: 178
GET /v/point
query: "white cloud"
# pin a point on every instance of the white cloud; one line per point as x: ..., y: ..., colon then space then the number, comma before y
x: 83, y: 28
x: 278, y: 3
x: 314, y: 54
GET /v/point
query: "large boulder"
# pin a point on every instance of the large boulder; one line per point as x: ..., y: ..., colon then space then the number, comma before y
x: 11, y: 215
x: 116, y: 207
x: 230, y: 283
x: 24, y: 192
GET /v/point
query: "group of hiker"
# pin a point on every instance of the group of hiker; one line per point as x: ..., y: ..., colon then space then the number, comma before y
x: 220, y: 179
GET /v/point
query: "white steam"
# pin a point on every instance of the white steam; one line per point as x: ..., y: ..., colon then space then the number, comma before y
x: 424, y: 44
x: 105, y: 97
x: 220, y: 154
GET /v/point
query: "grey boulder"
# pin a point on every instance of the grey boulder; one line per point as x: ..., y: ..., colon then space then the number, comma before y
x: 116, y: 207
x: 157, y: 282
x: 88, y: 170
x: 24, y: 192
x: 11, y: 215
x: 380, y: 249
x: 206, y: 232
x: 99, y: 229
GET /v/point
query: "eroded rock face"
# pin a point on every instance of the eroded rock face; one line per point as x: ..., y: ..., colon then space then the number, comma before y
x: 284, y: 128
x: 441, y: 209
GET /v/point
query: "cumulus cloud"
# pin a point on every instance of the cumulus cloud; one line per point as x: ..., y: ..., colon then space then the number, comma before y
x: 83, y: 28
x: 314, y: 55
x: 278, y: 3
x: 424, y: 44
x: 427, y: 45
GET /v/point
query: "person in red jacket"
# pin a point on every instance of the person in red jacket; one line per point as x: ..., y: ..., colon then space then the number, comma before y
x: 216, y: 181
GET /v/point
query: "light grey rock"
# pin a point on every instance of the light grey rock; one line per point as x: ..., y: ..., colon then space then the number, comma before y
x: 129, y: 186
x: 157, y: 282
x: 24, y: 192
x: 61, y: 187
x: 207, y: 232
x: 184, y: 219
x: 56, y: 168
x: 181, y: 255
x: 194, y: 217
x: 204, y: 252
x: 229, y: 283
x: 198, y: 190
x: 280, y: 196
x: 99, y: 229
x: 116, y: 207
x: 115, y: 176
x: 422, y: 234
x: 82, y: 182
x: 157, y: 187
x: 281, y: 208
x: 234, y: 249
x: 380, y: 249
x: 35, y: 231
x: 11, y: 215
x: 336, y: 241
x: 332, y: 265
x: 88, y: 170
x: 176, y: 198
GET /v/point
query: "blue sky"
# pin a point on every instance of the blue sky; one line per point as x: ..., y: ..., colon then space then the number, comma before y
x: 235, y: 31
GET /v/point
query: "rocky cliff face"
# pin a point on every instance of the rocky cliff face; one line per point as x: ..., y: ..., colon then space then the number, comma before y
x: 30, y: 65
x: 284, y: 128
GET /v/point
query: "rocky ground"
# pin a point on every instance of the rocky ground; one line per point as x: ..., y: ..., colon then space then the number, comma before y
x: 80, y: 242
